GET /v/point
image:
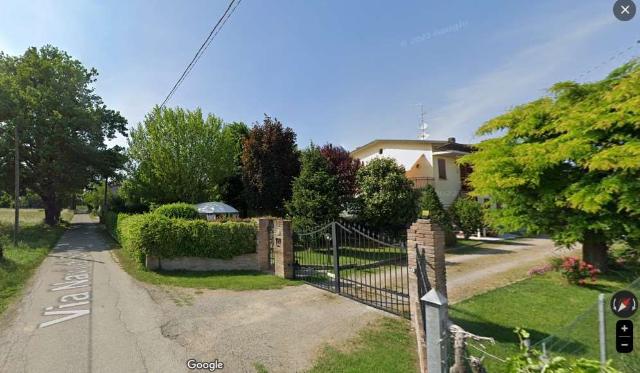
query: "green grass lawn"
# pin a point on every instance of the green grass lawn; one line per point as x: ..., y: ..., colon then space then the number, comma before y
x: 35, y: 240
x: 232, y: 280
x: 545, y: 306
x: 387, y: 346
x: 348, y: 255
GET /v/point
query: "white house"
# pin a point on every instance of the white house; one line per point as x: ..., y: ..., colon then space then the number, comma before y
x: 425, y: 161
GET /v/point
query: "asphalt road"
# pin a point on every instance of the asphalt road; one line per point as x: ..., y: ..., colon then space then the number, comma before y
x: 85, y: 314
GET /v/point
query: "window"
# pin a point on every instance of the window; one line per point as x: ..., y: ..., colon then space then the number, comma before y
x: 442, y: 169
x: 380, y: 151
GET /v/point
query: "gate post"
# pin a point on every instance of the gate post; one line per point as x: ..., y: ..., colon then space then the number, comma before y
x: 336, y: 258
x: 435, y: 316
x: 262, y: 244
x: 283, y: 250
x: 424, y: 240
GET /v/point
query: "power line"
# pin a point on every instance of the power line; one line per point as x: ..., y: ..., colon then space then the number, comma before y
x: 214, y: 32
x: 607, y: 61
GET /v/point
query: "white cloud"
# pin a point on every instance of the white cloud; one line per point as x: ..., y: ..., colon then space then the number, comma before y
x: 517, y: 80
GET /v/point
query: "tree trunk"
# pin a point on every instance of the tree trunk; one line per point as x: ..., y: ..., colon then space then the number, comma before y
x: 51, y: 211
x: 594, y: 250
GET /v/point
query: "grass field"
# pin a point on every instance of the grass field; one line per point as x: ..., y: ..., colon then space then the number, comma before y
x: 386, y: 346
x: 545, y: 306
x: 35, y: 240
x: 232, y: 280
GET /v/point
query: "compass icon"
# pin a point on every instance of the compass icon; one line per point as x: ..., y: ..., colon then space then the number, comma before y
x: 624, y: 304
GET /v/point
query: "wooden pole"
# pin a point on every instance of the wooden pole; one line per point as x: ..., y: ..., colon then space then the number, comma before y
x: 16, y: 224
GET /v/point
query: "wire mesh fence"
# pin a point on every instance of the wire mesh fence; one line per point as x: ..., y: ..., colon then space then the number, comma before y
x: 581, y: 338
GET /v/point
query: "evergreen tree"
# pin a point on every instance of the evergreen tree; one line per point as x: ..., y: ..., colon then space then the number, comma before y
x: 316, y: 197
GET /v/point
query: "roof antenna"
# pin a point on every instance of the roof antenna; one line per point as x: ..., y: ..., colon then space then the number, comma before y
x: 422, y: 127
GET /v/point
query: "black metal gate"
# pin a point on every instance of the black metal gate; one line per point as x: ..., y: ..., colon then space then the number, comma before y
x: 355, y: 263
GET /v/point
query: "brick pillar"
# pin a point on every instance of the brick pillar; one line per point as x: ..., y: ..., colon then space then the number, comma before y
x: 424, y: 239
x: 262, y: 244
x: 283, y: 250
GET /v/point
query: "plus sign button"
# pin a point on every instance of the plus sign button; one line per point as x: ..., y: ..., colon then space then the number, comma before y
x: 624, y: 10
x: 624, y: 304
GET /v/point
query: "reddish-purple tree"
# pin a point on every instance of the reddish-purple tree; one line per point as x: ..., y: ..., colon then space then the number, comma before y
x: 344, y: 167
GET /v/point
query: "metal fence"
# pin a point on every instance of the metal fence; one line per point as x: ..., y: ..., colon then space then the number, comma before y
x: 581, y: 338
x: 354, y: 262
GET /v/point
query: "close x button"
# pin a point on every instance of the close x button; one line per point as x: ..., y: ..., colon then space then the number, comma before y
x: 624, y: 336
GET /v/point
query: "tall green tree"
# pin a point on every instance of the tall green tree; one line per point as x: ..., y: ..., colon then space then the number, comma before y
x: 386, y: 199
x: 345, y: 169
x: 232, y: 190
x: 178, y: 155
x: 269, y: 164
x: 63, y: 126
x: 316, y: 195
x: 568, y: 164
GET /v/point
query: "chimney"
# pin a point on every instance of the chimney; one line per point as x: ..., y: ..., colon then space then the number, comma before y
x: 451, y: 140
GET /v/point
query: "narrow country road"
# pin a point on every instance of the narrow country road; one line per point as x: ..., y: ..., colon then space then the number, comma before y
x: 84, y: 314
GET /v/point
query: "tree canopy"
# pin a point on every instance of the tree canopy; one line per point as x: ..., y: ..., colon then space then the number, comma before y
x: 63, y: 125
x: 232, y: 190
x: 345, y: 169
x: 269, y: 164
x: 567, y: 164
x: 386, y: 199
x: 178, y: 155
x: 316, y: 197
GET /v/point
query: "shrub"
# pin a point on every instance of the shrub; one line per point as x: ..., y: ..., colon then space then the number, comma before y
x: 623, y: 252
x: 178, y: 210
x: 468, y: 215
x: 129, y: 228
x: 556, y: 263
x: 577, y: 271
x: 157, y: 235
x: 430, y: 202
x: 386, y: 198
x: 532, y: 360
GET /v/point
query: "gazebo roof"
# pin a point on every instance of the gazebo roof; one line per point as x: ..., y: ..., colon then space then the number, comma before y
x: 215, y: 208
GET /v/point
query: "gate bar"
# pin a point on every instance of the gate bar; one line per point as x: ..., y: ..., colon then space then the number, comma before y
x: 336, y: 258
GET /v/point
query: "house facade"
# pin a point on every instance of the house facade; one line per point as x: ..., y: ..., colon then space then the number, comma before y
x: 427, y: 162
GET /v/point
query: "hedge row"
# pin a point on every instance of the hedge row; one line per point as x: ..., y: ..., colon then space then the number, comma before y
x: 178, y: 210
x: 158, y: 235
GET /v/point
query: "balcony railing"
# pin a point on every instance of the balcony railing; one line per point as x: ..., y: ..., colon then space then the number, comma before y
x: 421, y: 182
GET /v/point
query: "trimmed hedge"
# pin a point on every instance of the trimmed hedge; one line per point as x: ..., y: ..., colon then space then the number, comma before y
x: 157, y: 235
x: 178, y: 210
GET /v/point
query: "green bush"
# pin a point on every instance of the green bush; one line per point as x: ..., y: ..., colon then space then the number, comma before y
x: 157, y: 235
x: 531, y: 360
x: 468, y: 215
x: 178, y: 210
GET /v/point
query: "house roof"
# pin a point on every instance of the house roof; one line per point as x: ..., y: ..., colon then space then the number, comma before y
x: 454, y: 146
x: 215, y: 208
x: 438, y: 145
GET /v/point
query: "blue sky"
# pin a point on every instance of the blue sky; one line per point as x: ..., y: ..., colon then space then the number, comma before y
x: 344, y: 72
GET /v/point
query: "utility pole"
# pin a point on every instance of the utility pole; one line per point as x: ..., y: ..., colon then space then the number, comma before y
x: 104, y: 204
x: 16, y: 224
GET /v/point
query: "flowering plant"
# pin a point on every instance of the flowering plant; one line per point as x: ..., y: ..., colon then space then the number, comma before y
x: 539, y: 270
x: 577, y: 271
